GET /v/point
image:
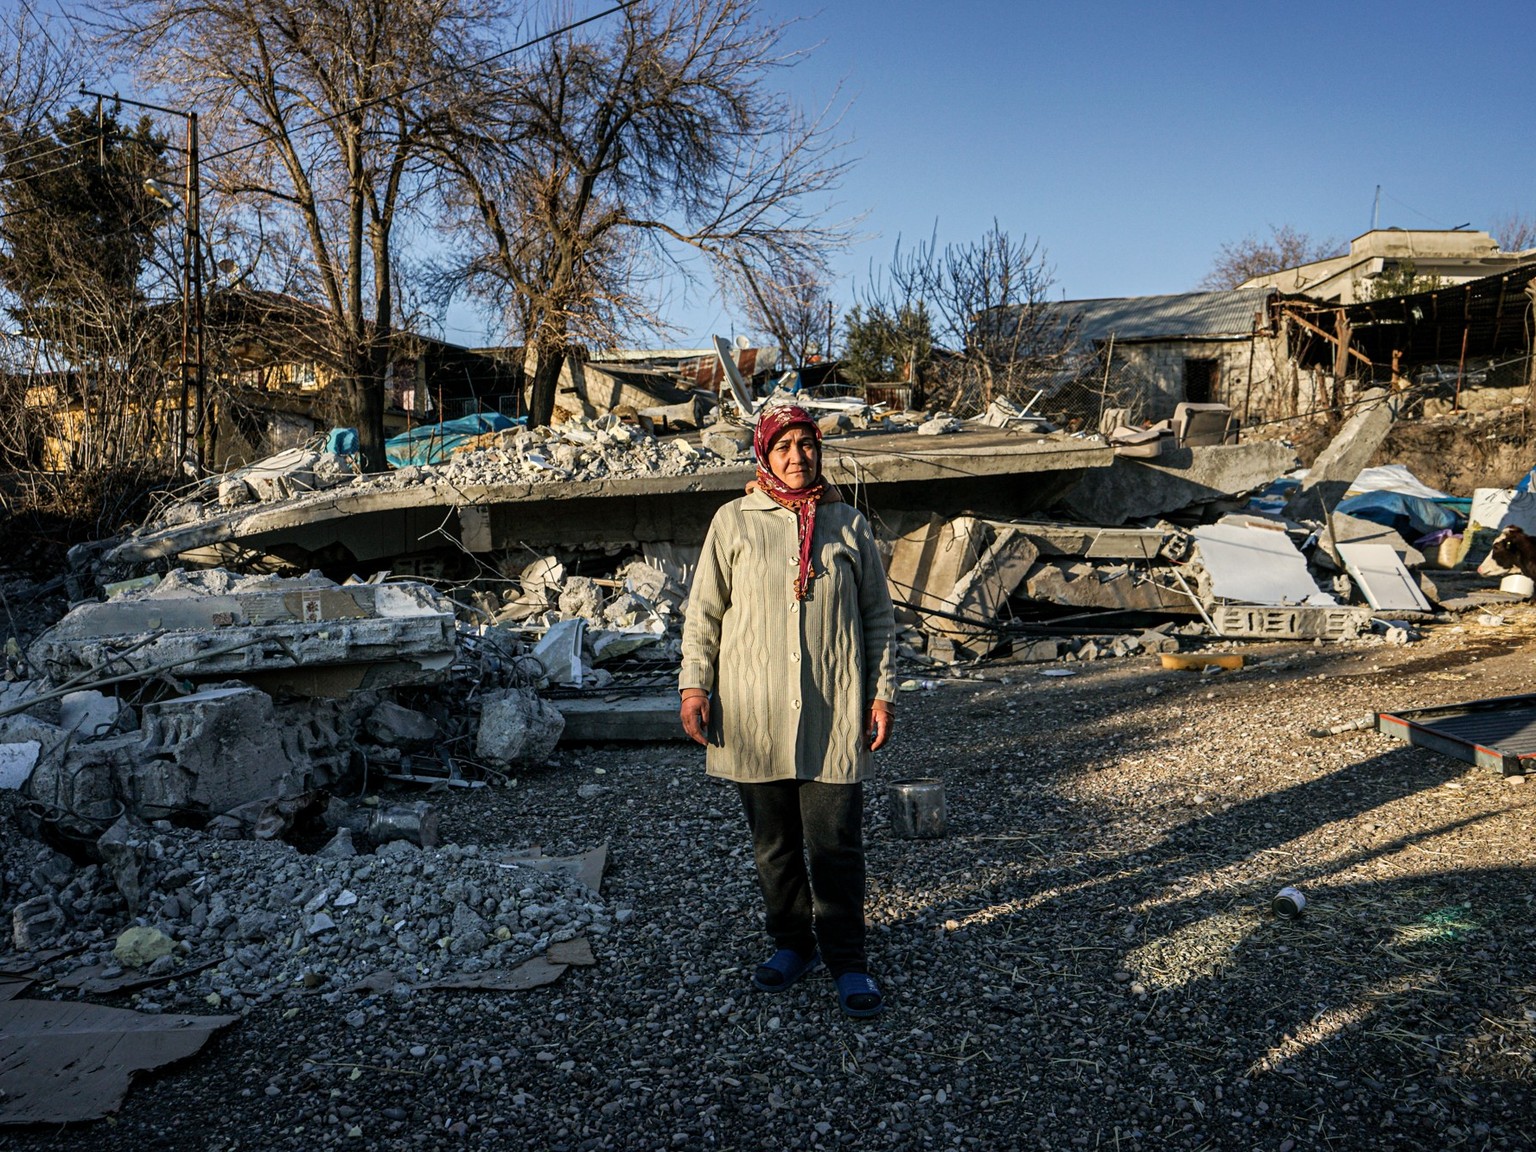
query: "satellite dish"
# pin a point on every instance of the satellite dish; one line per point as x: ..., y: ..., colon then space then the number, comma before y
x: 742, y: 342
x: 738, y: 386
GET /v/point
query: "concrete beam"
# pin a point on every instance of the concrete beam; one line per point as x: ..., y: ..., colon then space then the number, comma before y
x: 1347, y: 453
x: 1130, y: 489
x: 590, y: 720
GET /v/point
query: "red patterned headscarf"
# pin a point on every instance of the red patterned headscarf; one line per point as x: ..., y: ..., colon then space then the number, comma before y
x: 801, y: 501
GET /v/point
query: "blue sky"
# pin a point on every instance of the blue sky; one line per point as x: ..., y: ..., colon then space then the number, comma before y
x: 1134, y: 139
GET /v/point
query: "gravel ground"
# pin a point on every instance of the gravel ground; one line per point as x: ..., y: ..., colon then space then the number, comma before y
x: 1086, y: 960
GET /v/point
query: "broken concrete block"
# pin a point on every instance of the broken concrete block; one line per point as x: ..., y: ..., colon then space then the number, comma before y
x: 89, y: 714
x: 1036, y: 651
x: 285, y: 474
x: 36, y: 923
x: 17, y: 760
x: 123, y: 855
x: 834, y: 424
x: 517, y: 727
x: 727, y: 443
x: 399, y: 727
x: 559, y: 653
x: 334, y: 468
x: 83, y: 780
x: 582, y: 596
x: 340, y: 846
x: 140, y: 946
x: 234, y: 491
x: 1252, y: 622
x: 1350, y: 450
x: 211, y: 752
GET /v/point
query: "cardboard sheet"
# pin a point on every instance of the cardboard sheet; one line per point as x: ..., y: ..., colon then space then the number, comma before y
x: 65, y: 1062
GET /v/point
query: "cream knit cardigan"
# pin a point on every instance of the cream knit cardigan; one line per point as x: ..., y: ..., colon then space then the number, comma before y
x: 790, y: 680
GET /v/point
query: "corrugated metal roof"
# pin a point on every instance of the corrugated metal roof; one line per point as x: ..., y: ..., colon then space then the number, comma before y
x: 1187, y: 315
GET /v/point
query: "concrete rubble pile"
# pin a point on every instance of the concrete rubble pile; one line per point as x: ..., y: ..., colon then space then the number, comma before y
x: 1326, y: 555
x: 185, y: 917
x: 578, y: 449
x: 240, y: 705
x: 570, y: 624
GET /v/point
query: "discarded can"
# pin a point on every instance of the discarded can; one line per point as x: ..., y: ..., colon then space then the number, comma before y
x: 918, y: 811
x: 1288, y: 902
x: 414, y: 822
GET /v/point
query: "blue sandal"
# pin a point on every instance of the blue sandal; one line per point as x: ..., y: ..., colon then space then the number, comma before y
x: 782, y: 969
x: 859, y: 996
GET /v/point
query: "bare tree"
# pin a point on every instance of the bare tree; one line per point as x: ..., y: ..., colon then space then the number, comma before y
x: 318, y: 107
x: 36, y: 70
x: 620, y: 149
x: 988, y: 305
x: 1241, y: 261
x: 1515, y: 232
x: 81, y: 247
x: 794, y: 309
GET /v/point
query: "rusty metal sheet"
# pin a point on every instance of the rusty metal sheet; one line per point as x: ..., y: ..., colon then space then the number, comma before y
x: 1498, y: 733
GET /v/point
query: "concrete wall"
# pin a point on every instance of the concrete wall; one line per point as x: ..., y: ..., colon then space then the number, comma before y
x: 1153, y: 374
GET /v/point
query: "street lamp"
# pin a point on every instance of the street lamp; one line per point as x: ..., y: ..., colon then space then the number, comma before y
x: 191, y: 276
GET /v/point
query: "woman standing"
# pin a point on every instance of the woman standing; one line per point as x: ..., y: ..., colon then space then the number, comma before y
x: 787, y: 678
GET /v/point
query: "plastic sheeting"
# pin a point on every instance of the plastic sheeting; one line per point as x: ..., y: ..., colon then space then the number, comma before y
x: 1411, y: 516
x: 434, y: 443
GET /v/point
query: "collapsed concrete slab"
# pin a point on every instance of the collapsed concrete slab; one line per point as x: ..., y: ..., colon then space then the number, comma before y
x: 308, y: 635
x: 1179, y: 478
x: 1347, y: 453
x: 994, y: 472
x: 1083, y: 585
x: 1097, y: 542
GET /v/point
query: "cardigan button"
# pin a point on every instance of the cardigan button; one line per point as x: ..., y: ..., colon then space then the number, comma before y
x: 797, y: 703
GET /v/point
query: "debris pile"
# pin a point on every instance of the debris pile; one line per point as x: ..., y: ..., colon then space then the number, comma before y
x: 233, y: 923
x: 570, y: 624
x: 578, y: 449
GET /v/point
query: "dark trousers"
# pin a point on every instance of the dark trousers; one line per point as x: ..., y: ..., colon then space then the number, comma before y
x: 792, y: 820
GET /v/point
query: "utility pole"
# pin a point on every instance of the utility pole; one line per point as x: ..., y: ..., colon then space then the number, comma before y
x: 192, y: 358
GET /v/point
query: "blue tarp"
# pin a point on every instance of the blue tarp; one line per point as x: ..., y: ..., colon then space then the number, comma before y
x: 1412, y: 516
x: 433, y: 443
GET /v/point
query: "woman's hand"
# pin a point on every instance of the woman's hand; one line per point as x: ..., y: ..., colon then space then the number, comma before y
x: 695, y: 714
x: 878, y: 725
